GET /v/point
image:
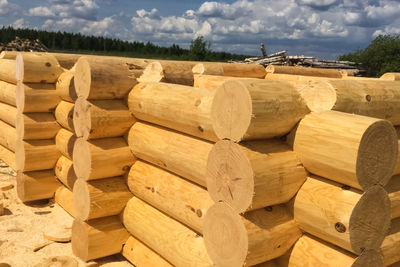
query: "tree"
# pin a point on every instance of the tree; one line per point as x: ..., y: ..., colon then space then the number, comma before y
x: 381, y: 56
x: 199, y: 49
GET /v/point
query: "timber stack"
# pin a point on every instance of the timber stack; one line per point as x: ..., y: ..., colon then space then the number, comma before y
x: 208, y: 164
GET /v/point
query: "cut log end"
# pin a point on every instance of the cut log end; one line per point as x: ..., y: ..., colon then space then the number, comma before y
x: 318, y: 96
x: 20, y: 155
x: 82, y: 159
x: 370, y: 220
x: 82, y: 120
x: 231, y: 118
x: 230, y: 175
x: 83, y: 78
x: 65, y: 86
x: 377, y: 155
x: 225, y: 236
x: 19, y: 68
x: 368, y: 258
x: 20, y: 97
x: 152, y: 73
x: 80, y: 244
x: 81, y: 200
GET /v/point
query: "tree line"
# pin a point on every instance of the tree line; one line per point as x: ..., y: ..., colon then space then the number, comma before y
x: 76, y: 42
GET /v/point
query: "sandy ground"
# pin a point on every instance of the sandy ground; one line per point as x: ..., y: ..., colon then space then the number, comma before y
x: 23, y: 229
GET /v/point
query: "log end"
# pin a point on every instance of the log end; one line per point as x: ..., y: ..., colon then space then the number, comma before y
x: 232, y: 118
x: 230, y: 175
x: 368, y: 258
x: 21, y: 185
x: 370, y: 220
x: 318, y: 96
x: 82, y: 78
x: 19, y: 68
x: 20, y: 97
x: 82, y: 119
x: 152, y: 73
x: 82, y: 159
x: 377, y: 154
x: 65, y: 86
x: 20, y: 155
x: 79, y: 240
x: 81, y: 200
x: 225, y: 236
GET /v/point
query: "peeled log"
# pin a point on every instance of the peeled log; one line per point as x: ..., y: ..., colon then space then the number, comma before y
x: 101, y: 158
x: 65, y: 141
x: 256, y: 237
x: 35, y: 155
x: 98, y: 238
x: 330, y: 73
x: 182, y: 108
x: 141, y: 255
x: 311, y: 251
x: 245, y: 109
x: 105, y: 78
x: 7, y: 71
x: 393, y: 188
x: 391, y: 245
x: 209, y: 81
x: 8, y: 113
x: 354, y: 150
x: 36, y: 126
x: 65, y: 86
x: 8, y: 157
x: 36, y: 97
x: 373, y: 98
x: 345, y: 217
x: 64, y: 115
x: 175, y: 152
x: 65, y: 199
x: 8, y: 136
x: 391, y: 76
x: 8, y: 92
x: 36, y: 185
x: 172, y: 240
x: 100, y: 198
x: 177, y: 72
x: 254, y: 174
x: 170, y: 193
x: 230, y: 69
x: 65, y: 172
x: 101, y: 118
x: 37, y: 68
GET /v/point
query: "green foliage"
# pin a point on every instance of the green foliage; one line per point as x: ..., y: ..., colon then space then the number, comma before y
x: 78, y: 43
x: 381, y: 56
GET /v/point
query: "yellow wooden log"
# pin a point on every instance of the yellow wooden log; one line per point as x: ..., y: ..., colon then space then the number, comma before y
x: 8, y: 114
x: 391, y: 76
x: 8, y: 157
x: 65, y: 86
x: 36, y: 185
x: 65, y: 141
x: 36, y: 126
x: 393, y: 188
x: 318, y: 72
x: 37, y: 68
x: 7, y: 71
x: 230, y: 69
x: 177, y: 72
x: 64, y: 115
x: 391, y: 245
x: 36, y: 97
x: 209, y: 81
x: 65, y: 198
x: 8, y: 136
x: 65, y: 172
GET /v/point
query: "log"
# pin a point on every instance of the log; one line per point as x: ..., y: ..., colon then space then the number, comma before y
x: 295, y: 78
x: 170, y: 194
x: 393, y: 188
x: 36, y: 155
x: 391, y: 245
x: 346, y: 217
x: 98, y: 238
x: 391, y: 76
x: 65, y: 86
x: 101, y: 158
x: 8, y: 136
x: 100, y: 198
x: 318, y: 72
x: 65, y: 141
x: 8, y: 157
x: 256, y: 237
x: 36, y: 97
x: 65, y: 198
x: 157, y: 230
x: 378, y: 99
x: 347, y: 73
x: 101, y: 118
x: 8, y: 113
x: 209, y: 81
x: 105, y: 78
x: 7, y: 71
x: 354, y: 150
x: 64, y: 115
x: 36, y: 126
x: 254, y: 174
x: 175, y: 152
x: 65, y: 172
x: 141, y: 255
x: 37, y: 68
x: 182, y: 108
x: 311, y: 251
x: 7, y: 92
x: 36, y: 185
x: 245, y: 109
x: 230, y: 69
x: 177, y: 72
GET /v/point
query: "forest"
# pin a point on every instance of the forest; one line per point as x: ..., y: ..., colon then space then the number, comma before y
x: 76, y: 42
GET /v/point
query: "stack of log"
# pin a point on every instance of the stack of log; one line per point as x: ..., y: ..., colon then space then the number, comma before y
x: 24, y: 45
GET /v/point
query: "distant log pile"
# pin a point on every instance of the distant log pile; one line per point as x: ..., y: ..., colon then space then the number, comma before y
x: 207, y: 164
x: 24, y: 45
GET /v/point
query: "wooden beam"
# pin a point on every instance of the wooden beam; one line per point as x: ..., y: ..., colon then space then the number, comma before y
x: 177, y: 72
x: 36, y: 97
x: 318, y: 72
x: 8, y: 114
x: 36, y: 126
x: 209, y: 81
x: 7, y: 71
x: 391, y: 76
x: 8, y: 136
x: 8, y: 157
x: 36, y: 185
x: 230, y: 69
x: 36, y: 155
x: 37, y: 68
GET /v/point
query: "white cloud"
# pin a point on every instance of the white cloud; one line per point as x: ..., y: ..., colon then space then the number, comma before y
x: 82, y: 9
x: 19, y: 24
x: 7, y: 8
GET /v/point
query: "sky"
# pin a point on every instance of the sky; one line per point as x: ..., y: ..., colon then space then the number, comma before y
x: 321, y: 28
